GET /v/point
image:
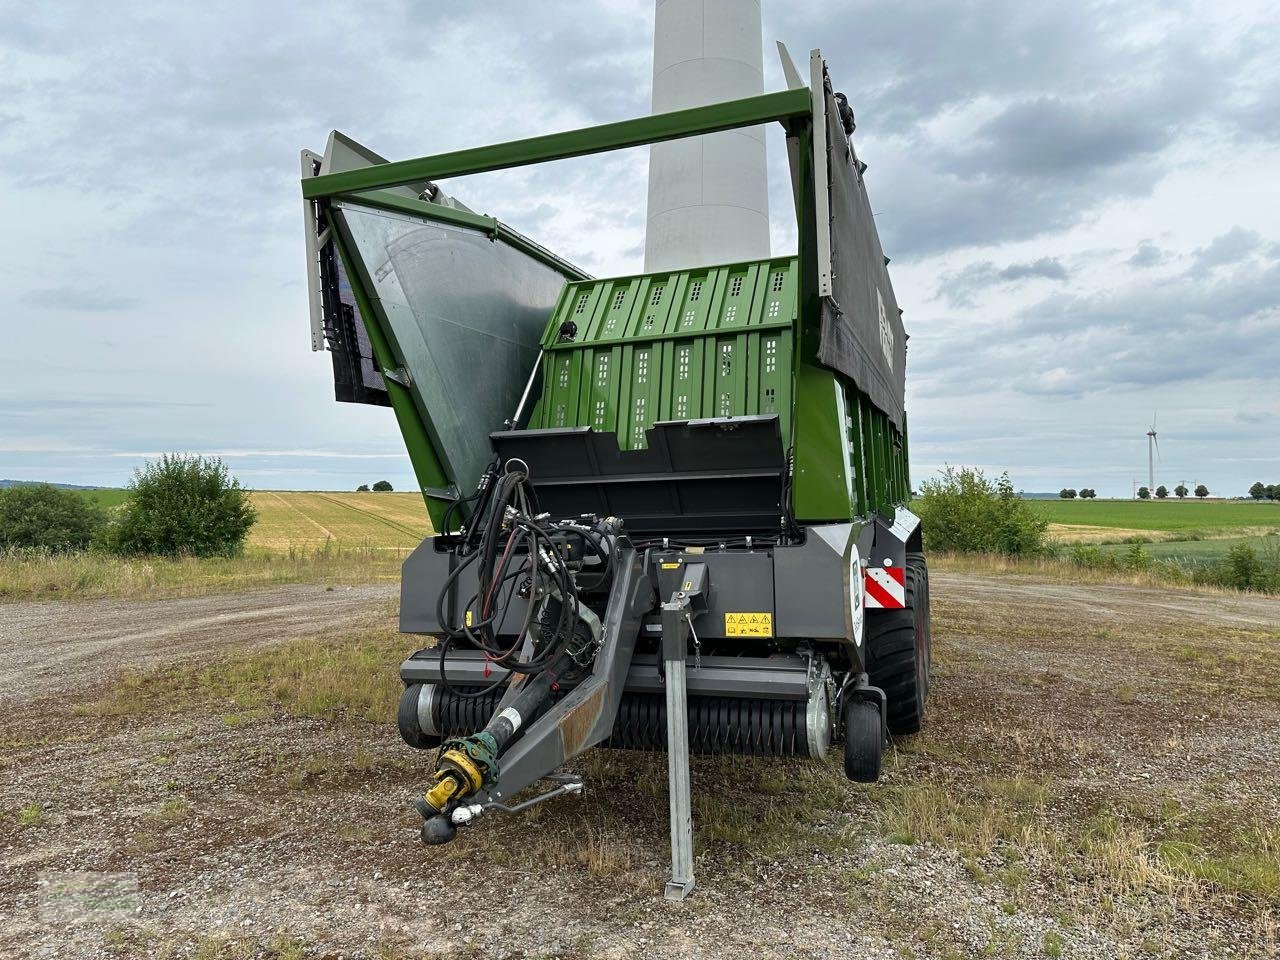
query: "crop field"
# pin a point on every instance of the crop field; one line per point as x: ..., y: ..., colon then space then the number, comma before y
x: 105, y: 498
x: 1199, y: 553
x: 316, y: 537
x: 307, y: 519
x: 1161, y: 516
x: 1188, y: 534
x: 395, y: 521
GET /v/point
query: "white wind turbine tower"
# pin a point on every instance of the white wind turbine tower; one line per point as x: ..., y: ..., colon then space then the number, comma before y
x: 1153, y: 449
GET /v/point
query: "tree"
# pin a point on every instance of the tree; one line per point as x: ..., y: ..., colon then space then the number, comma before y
x: 183, y: 504
x: 1066, y: 493
x: 962, y: 510
x: 1201, y: 491
x: 1144, y: 493
x: 1258, y: 491
x: 1272, y: 491
x: 1162, y: 491
x: 1088, y: 493
x: 363, y: 488
x: 42, y: 516
x: 382, y: 486
x: 1181, y: 491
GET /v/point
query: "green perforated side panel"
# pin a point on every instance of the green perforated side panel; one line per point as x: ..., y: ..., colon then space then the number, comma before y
x: 709, y: 342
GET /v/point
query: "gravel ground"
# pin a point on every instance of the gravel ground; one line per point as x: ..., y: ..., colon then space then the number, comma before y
x: 45, y: 647
x: 184, y: 835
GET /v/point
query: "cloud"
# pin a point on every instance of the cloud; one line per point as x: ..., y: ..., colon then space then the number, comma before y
x: 960, y: 288
x: 1144, y: 333
x: 1019, y: 154
x: 1147, y: 255
x: 78, y: 298
x: 1232, y: 247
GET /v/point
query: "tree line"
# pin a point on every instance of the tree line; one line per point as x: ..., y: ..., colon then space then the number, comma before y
x: 1265, y: 491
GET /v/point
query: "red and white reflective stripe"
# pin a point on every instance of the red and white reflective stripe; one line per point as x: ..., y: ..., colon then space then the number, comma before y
x: 885, y: 588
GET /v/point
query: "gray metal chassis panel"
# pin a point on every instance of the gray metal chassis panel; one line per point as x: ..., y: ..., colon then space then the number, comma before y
x: 807, y: 587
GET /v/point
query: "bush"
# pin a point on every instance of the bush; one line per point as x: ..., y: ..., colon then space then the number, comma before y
x: 382, y: 486
x: 1092, y: 557
x: 184, y: 505
x: 1136, y: 557
x: 43, y: 517
x: 363, y: 488
x: 963, y: 511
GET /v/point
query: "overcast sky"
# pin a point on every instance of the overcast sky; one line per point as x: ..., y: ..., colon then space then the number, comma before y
x: 1082, y: 204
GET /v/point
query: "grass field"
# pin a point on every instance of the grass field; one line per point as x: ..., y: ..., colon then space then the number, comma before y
x: 1193, y: 536
x: 1198, y: 553
x: 105, y: 498
x: 299, y: 537
x: 1157, y: 515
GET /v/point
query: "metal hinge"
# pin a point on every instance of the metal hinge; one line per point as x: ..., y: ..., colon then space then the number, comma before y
x: 399, y: 375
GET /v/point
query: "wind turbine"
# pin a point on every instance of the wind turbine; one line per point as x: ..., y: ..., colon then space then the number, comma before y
x: 1153, y: 448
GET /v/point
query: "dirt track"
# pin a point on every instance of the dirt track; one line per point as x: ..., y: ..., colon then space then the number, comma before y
x: 45, y: 647
x: 186, y: 835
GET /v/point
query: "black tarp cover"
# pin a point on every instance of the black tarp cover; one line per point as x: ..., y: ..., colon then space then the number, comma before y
x: 862, y: 332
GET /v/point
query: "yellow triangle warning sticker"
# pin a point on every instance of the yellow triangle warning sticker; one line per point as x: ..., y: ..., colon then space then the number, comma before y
x: 759, y: 624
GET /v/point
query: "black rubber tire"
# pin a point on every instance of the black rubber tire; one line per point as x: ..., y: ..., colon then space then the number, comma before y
x: 917, y: 560
x: 407, y: 720
x: 897, y: 658
x: 863, y: 741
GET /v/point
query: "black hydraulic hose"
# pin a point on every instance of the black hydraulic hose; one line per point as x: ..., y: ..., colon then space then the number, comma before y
x: 543, y: 561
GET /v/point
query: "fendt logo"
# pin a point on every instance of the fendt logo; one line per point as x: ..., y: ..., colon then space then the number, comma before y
x: 886, y: 331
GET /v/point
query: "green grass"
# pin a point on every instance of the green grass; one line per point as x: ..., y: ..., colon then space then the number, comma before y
x: 350, y: 675
x: 105, y: 498
x: 1195, y: 553
x: 36, y: 575
x: 1161, y: 515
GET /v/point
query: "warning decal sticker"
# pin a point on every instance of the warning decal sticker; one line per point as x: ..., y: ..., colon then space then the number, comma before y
x: 748, y: 624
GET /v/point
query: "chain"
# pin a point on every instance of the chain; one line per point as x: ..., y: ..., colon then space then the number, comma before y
x: 697, y: 644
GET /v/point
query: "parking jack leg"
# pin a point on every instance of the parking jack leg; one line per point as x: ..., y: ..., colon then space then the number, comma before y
x: 674, y: 625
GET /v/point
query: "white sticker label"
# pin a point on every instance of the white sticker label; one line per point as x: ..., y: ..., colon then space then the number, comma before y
x: 512, y: 717
x: 886, y: 332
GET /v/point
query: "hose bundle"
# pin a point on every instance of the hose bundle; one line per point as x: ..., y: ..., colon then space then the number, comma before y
x: 514, y: 551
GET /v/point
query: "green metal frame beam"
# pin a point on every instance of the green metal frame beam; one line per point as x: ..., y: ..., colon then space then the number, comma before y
x: 730, y: 115
x: 495, y: 229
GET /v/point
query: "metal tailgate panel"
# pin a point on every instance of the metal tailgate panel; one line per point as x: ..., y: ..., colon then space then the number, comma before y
x: 464, y: 314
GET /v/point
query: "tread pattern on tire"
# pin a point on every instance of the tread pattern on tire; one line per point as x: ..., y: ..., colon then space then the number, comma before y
x: 863, y: 743
x: 891, y: 661
x: 917, y: 559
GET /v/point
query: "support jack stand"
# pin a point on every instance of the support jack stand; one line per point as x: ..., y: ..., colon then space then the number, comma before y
x: 677, y: 623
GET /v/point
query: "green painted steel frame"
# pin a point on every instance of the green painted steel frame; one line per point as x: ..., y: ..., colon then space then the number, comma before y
x: 849, y: 460
x: 730, y: 115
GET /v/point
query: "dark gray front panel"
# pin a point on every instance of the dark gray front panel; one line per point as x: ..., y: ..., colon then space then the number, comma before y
x: 423, y: 576
x: 812, y: 584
